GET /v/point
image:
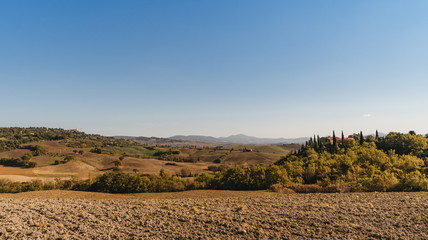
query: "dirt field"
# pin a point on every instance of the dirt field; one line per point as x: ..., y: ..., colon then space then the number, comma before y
x: 214, y: 215
x: 27, y: 172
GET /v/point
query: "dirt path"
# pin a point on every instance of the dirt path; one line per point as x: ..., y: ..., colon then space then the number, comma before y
x: 262, y: 216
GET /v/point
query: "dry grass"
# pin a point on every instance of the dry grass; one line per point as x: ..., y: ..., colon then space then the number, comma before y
x: 75, y: 167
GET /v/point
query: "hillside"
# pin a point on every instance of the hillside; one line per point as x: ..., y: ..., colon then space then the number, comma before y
x: 59, y: 153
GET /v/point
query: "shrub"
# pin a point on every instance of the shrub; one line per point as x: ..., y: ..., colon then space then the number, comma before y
x: 68, y: 158
x: 281, y: 188
x: 186, y: 172
x: 96, y: 150
x: 204, y: 181
x: 415, y: 181
x: 218, y: 160
x: 27, y: 157
x: 218, y: 168
x: 306, y: 188
x: 171, y: 164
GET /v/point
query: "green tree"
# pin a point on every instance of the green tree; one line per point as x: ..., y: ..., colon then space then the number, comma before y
x: 117, y: 163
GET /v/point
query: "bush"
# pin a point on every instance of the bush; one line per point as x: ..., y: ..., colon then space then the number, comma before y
x: 306, y: 188
x: 217, y: 168
x: 281, y: 188
x: 218, y: 160
x: 171, y: 164
x: 204, y: 181
x: 27, y: 157
x: 96, y: 150
x: 186, y: 172
x: 68, y: 158
x: 415, y: 181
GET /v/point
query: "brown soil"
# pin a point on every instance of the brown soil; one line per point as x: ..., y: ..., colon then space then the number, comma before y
x: 16, y: 171
x: 214, y: 215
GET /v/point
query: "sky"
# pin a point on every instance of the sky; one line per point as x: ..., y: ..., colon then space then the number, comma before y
x: 198, y: 67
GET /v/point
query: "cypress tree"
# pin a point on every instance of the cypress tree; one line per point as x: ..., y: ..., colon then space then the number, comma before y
x: 334, y: 143
x: 343, y: 137
x: 361, y: 138
x: 377, y: 135
x: 334, y: 139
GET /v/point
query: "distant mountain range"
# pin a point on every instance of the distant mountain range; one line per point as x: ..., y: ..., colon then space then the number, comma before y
x: 240, y: 139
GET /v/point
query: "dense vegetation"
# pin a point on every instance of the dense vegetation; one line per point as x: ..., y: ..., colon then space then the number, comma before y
x: 396, y: 162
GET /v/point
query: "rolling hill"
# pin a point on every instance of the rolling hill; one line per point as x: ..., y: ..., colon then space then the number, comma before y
x: 58, y: 153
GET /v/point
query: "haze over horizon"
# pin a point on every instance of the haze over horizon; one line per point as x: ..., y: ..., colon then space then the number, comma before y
x: 216, y: 68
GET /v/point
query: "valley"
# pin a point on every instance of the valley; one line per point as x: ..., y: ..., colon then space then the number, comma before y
x: 83, y: 156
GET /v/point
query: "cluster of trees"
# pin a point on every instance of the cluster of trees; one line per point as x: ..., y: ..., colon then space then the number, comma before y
x: 14, y: 137
x: 234, y: 178
x: 35, y: 150
x: 16, y: 187
x: 25, y: 160
x: 396, y: 162
x: 119, y: 182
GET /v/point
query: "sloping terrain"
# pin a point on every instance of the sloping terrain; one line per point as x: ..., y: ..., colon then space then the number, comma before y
x: 63, y: 159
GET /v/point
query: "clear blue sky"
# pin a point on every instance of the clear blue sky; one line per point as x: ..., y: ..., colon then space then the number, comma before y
x: 261, y: 68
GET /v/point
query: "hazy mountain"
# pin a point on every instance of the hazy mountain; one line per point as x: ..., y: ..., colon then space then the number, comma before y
x: 239, y: 139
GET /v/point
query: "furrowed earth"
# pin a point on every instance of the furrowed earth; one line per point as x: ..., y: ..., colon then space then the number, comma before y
x: 213, y: 215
